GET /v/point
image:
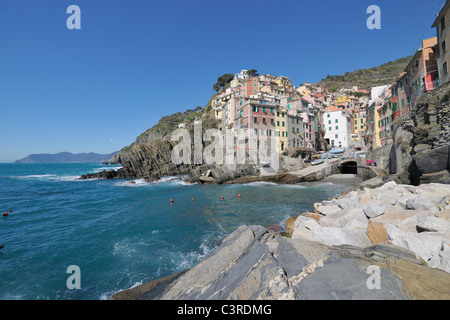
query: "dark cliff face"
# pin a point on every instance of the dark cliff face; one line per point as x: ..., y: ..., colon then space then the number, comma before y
x: 421, y: 149
x: 149, y: 160
x: 152, y: 159
x: 151, y: 156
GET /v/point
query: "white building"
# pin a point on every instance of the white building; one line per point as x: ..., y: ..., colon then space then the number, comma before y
x: 375, y: 92
x: 338, y: 128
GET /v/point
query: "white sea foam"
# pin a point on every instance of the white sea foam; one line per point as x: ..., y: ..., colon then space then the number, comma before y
x: 34, y: 176
x: 131, y: 183
x: 124, y: 248
x: 47, y: 177
x: 163, y: 180
x: 106, y: 168
x: 260, y: 183
x: 108, y: 295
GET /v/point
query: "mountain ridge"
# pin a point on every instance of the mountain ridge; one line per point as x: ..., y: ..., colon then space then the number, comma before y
x: 66, y: 157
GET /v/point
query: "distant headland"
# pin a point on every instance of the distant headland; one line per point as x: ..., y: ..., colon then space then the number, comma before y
x: 67, y: 157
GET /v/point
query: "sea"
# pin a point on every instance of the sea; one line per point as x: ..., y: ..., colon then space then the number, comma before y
x: 121, y: 233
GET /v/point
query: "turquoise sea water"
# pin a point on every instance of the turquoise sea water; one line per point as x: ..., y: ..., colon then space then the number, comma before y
x: 121, y: 234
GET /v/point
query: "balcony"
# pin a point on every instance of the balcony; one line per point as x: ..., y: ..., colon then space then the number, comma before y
x: 431, y: 85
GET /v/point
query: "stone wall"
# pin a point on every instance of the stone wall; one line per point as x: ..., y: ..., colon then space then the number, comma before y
x: 421, y: 141
x: 381, y: 156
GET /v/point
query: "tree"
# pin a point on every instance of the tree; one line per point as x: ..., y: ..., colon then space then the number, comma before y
x: 222, y: 81
x: 252, y: 73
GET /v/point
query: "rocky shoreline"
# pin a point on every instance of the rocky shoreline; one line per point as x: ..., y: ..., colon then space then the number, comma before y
x: 400, y: 230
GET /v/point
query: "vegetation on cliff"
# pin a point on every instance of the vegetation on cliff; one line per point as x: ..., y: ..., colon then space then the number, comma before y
x: 367, y: 78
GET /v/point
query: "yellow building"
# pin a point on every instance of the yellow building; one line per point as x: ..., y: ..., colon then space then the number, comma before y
x: 442, y: 24
x: 281, y: 129
x: 218, y: 112
x: 359, y: 122
x: 342, y: 99
x: 303, y: 90
x: 284, y: 82
x: 376, y: 141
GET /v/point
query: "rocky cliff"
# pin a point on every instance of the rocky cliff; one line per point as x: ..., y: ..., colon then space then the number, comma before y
x: 421, y: 149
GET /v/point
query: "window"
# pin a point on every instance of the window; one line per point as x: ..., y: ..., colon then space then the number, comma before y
x: 403, y: 103
x: 444, y: 47
x: 282, y: 123
x: 336, y: 121
x: 298, y: 131
x: 297, y: 121
x: 445, y: 68
x: 256, y: 131
x: 329, y: 129
x: 336, y: 136
x: 255, y: 120
x: 328, y: 115
x: 443, y: 24
x: 264, y: 109
x: 362, y: 127
x: 394, y: 106
x: 278, y: 123
x: 356, y: 128
x: 337, y: 127
x: 329, y: 121
x: 356, y: 121
x: 362, y: 120
x: 253, y: 108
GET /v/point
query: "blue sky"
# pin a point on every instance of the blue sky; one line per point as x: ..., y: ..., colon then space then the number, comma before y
x: 132, y: 62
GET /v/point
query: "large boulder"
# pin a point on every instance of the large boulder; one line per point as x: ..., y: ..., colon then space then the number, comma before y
x: 376, y: 233
x: 374, y: 209
x: 432, y: 248
x: 434, y: 160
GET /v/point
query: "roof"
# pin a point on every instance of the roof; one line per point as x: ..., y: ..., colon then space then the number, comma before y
x: 334, y: 108
x: 420, y: 49
x: 440, y: 14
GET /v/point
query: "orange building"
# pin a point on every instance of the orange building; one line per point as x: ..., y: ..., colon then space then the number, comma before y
x: 422, y: 70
